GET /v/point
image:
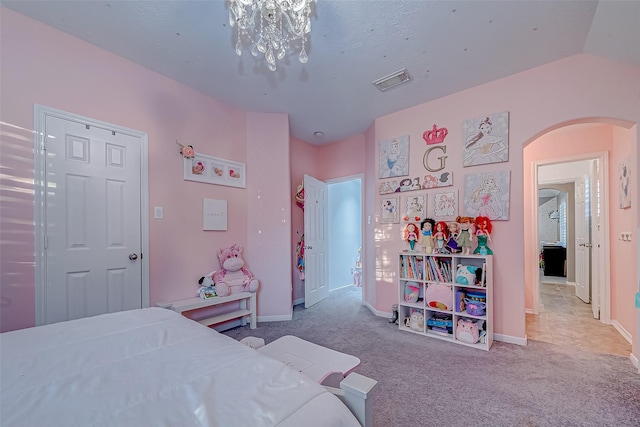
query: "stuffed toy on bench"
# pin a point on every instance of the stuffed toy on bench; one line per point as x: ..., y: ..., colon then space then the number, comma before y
x: 233, y: 278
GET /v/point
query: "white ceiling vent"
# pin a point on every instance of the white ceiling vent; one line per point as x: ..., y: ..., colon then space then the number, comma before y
x: 393, y: 79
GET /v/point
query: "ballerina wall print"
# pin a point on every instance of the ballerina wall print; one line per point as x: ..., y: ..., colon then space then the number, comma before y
x: 394, y: 157
x: 487, y: 194
x: 624, y: 176
x: 445, y: 205
x: 389, y: 210
x: 486, y: 139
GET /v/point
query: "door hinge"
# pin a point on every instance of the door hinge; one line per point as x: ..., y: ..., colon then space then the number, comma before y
x: 140, y: 255
x: 46, y: 242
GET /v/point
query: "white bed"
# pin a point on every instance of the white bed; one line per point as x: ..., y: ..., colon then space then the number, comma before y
x: 152, y: 367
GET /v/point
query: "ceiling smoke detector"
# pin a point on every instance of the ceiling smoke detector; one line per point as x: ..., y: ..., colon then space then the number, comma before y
x: 392, y: 80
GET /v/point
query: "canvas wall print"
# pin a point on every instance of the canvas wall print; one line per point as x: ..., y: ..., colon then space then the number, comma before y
x: 437, y: 179
x: 486, y: 139
x: 394, y: 157
x: 445, y: 205
x: 624, y: 178
x: 487, y: 194
x: 389, y: 210
x: 415, y: 207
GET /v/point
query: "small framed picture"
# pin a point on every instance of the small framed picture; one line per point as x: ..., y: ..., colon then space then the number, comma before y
x: 389, y: 210
x: 208, y: 294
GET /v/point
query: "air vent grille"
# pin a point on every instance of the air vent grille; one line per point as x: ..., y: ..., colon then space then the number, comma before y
x: 392, y: 80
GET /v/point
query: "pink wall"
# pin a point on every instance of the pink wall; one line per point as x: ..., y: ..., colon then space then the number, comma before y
x: 624, y: 254
x: 578, y: 87
x: 44, y: 66
x: 575, y: 141
x: 342, y: 158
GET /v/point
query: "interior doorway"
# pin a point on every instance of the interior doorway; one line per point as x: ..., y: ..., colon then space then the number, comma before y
x: 345, y: 232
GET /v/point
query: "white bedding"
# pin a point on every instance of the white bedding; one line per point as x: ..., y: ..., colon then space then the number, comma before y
x: 151, y: 367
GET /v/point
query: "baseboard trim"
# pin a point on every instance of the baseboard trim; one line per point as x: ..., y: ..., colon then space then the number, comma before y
x: 634, y: 361
x: 298, y: 301
x: 378, y: 313
x: 509, y: 339
x: 278, y: 318
x: 625, y: 334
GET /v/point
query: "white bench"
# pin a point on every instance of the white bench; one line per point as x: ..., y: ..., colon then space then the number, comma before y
x: 247, y: 308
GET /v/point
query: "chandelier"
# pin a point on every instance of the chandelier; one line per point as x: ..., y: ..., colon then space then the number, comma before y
x: 271, y: 26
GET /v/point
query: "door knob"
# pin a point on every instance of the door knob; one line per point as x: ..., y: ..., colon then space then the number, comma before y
x: 133, y: 257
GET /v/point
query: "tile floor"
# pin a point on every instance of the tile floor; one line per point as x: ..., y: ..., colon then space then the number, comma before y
x: 564, y: 319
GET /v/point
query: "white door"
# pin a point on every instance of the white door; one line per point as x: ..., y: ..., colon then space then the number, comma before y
x: 582, y: 241
x: 92, y: 221
x: 316, y: 260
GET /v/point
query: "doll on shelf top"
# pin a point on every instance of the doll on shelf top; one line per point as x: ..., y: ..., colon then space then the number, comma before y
x: 411, y: 235
x: 440, y: 237
x: 426, y: 238
x: 483, y: 235
x: 465, y: 236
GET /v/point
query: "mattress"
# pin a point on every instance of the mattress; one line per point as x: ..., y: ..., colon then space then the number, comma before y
x: 152, y: 367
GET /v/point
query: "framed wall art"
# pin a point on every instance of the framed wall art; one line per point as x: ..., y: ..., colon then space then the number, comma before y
x: 415, y: 207
x: 486, y: 139
x: 213, y: 170
x: 445, y: 205
x: 214, y: 214
x: 389, y: 210
x: 394, y: 157
x: 624, y: 177
x: 487, y: 194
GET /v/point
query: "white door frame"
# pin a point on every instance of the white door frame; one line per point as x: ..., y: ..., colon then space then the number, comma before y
x: 40, y: 113
x: 603, y: 268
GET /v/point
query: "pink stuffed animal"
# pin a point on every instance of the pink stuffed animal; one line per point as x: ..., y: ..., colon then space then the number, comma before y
x: 233, y: 278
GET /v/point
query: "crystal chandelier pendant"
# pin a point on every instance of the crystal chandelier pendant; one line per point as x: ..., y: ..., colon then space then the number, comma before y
x: 272, y: 27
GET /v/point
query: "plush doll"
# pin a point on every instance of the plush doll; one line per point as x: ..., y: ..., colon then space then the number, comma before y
x: 426, y: 240
x: 207, y: 288
x: 468, y: 330
x: 466, y: 275
x: 233, y: 278
x: 465, y: 236
x: 415, y: 321
x: 411, y: 292
x: 483, y: 235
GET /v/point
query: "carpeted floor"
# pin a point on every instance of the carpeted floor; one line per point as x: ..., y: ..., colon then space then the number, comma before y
x: 424, y: 382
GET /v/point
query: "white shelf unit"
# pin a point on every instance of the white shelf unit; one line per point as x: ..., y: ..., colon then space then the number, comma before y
x: 417, y: 267
x: 247, y: 308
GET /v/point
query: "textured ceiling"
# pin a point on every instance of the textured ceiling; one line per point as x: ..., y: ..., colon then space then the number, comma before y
x: 447, y: 46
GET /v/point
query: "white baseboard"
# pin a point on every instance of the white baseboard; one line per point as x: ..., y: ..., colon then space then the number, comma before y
x: 278, y: 318
x: 509, y: 339
x: 378, y: 313
x: 634, y: 360
x: 626, y: 335
x: 298, y: 301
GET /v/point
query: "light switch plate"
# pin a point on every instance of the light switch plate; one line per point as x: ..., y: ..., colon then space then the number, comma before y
x: 158, y: 212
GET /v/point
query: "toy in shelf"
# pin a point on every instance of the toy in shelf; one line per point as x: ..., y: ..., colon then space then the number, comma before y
x: 426, y: 240
x: 438, y: 295
x: 465, y: 237
x: 483, y: 235
x: 411, y: 235
x: 415, y: 321
x: 411, y: 292
x: 440, y: 237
